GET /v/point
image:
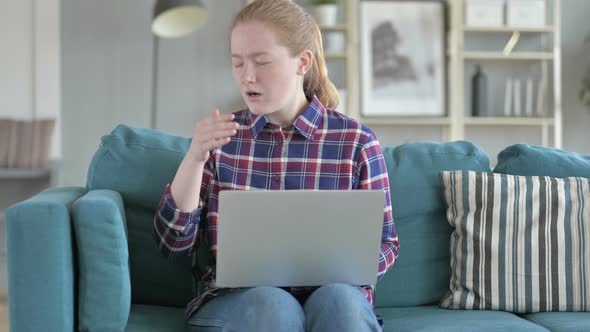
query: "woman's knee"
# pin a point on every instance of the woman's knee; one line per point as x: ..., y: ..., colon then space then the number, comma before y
x: 337, y: 294
x: 339, y: 307
x: 253, y: 309
x: 270, y: 299
x: 271, y: 308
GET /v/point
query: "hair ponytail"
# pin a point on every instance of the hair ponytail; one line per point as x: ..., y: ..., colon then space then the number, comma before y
x: 316, y: 80
x: 294, y: 27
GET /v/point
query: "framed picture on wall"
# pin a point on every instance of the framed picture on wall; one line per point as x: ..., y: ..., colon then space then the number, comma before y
x: 402, y: 58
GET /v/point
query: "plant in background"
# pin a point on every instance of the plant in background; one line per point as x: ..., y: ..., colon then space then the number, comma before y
x: 322, y: 2
x: 325, y: 11
x: 585, y: 89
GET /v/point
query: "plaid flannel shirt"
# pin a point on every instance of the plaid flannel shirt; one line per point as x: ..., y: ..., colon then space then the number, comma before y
x: 322, y: 149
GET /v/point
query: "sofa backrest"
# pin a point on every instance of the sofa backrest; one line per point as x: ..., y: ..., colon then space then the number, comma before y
x: 421, y: 274
x: 138, y: 163
x: 530, y: 160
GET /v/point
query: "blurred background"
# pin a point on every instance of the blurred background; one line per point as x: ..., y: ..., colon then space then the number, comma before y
x: 71, y: 70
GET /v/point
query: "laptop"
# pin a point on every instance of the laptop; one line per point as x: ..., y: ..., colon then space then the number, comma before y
x: 298, y: 237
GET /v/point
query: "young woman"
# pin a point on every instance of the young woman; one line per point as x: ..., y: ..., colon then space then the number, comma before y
x: 290, y: 137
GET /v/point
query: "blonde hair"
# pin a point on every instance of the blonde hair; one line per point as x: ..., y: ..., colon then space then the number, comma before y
x: 293, y: 27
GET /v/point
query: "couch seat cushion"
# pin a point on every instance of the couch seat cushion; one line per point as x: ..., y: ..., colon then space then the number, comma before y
x: 150, y: 318
x: 432, y: 318
x: 562, y: 321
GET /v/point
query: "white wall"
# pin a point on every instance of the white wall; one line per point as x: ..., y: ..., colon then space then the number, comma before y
x: 16, y: 59
x: 48, y: 67
x: 106, y: 57
x: 576, y: 60
x: 195, y: 72
x: 30, y: 62
x: 107, y: 74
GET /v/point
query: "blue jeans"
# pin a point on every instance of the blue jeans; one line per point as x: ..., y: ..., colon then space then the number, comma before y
x: 334, y: 307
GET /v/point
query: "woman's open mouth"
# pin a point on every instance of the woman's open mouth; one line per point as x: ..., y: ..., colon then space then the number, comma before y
x: 253, y: 95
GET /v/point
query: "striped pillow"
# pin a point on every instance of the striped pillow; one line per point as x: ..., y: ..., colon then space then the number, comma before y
x: 521, y: 244
x: 25, y: 144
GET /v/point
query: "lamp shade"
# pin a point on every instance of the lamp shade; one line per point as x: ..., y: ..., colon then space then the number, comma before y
x: 176, y: 18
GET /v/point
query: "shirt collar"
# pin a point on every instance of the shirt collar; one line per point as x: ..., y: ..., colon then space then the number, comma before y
x: 306, y: 123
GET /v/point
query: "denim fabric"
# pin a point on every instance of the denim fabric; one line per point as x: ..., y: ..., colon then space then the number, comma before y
x: 334, y: 307
x: 339, y: 307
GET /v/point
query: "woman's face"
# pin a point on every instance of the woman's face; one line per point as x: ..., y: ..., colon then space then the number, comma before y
x: 268, y: 77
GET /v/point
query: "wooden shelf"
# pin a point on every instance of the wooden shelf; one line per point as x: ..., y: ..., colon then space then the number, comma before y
x: 412, y: 121
x: 464, y: 48
x: 508, y: 121
x: 19, y: 173
x: 334, y: 28
x: 335, y: 56
x: 544, y: 29
x: 511, y: 56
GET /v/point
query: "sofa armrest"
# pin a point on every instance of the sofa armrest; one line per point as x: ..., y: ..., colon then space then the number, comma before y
x: 41, y: 261
x: 104, y: 289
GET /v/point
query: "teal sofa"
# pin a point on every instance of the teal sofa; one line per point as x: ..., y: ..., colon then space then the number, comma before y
x: 84, y: 258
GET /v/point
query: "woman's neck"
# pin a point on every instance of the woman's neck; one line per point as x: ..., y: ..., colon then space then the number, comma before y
x: 287, y: 116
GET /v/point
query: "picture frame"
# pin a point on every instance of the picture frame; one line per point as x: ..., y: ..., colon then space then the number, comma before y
x: 402, y: 58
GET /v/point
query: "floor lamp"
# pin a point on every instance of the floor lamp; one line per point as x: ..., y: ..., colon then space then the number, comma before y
x: 172, y: 19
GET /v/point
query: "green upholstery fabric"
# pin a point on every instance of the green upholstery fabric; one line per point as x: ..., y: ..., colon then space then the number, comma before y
x: 434, y: 319
x: 147, y: 318
x: 137, y: 163
x: 523, y: 159
x: 104, y: 288
x: 130, y: 170
x: 562, y: 321
x: 421, y: 274
x: 41, y: 262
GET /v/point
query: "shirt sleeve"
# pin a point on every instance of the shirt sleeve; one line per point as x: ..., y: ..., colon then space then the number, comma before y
x: 372, y: 175
x: 175, y: 231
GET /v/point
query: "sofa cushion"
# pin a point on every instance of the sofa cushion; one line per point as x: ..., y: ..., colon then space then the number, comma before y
x: 104, y: 288
x: 518, y: 243
x: 523, y: 159
x: 148, y: 318
x: 421, y: 274
x: 562, y: 321
x: 432, y: 318
x: 138, y: 163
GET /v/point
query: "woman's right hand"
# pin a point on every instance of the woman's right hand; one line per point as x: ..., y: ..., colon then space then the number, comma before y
x: 210, y: 133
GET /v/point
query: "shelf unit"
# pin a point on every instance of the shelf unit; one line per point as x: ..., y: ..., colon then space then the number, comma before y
x: 547, y: 28
x: 453, y: 125
x: 349, y: 55
x: 509, y: 121
x: 17, y: 173
x: 533, y: 56
x: 546, y: 57
x: 336, y: 56
x: 410, y: 121
x: 334, y: 28
x: 354, y: 105
x: 354, y: 78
